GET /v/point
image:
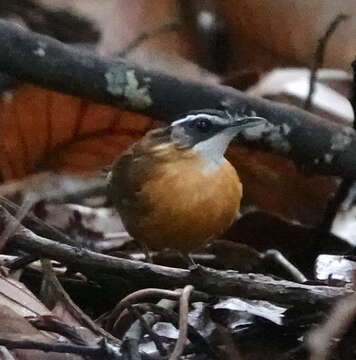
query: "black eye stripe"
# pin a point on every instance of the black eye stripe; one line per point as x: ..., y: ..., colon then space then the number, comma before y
x: 198, y: 127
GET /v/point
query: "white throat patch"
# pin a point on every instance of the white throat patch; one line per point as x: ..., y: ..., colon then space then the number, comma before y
x: 213, y: 149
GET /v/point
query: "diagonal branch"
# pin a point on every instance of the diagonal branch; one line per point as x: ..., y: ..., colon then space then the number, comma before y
x: 312, y: 142
x: 231, y: 283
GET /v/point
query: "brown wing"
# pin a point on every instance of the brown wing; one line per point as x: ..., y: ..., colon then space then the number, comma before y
x: 129, y: 174
x: 125, y: 181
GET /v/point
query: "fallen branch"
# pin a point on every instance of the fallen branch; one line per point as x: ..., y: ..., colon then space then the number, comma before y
x: 321, y: 146
x: 142, y: 275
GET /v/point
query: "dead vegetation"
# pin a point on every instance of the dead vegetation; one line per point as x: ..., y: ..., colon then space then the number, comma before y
x: 278, y: 285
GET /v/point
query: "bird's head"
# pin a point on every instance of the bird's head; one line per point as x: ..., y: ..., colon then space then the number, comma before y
x: 209, y: 132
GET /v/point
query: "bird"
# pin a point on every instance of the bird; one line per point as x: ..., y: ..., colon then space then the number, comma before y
x: 174, y: 188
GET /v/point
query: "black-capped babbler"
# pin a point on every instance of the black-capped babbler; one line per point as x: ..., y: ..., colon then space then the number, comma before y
x: 174, y: 188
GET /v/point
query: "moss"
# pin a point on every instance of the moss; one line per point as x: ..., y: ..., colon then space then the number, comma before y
x: 124, y: 83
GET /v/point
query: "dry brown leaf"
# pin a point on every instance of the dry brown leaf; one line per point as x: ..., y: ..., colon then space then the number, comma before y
x: 16, y: 303
x: 44, y: 129
x: 274, y: 184
x: 15, y: 327
x: 18, y: 298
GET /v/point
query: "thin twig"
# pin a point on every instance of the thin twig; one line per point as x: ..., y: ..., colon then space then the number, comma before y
x: 53, y: 324
x: 183, y: 322
x: 132, y: 337
x: 22, y: 212
x: 135, y: 43
x: 122, y: 319
x: 144, y: 295
x: 135, y: 332
x: 138, y: 296
x: 148, y: 329
x: 21, y: 262
x: 34, y: 223
x: 168, y: 315
x: 319, y: 56
x: 75, y: 311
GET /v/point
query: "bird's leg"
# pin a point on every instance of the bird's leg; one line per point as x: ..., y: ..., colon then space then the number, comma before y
x: 144, y: 248
x: 190, y: 260
x: 183, y: 259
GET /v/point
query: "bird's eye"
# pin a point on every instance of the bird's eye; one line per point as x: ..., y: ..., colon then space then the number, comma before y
x: 203, y: 125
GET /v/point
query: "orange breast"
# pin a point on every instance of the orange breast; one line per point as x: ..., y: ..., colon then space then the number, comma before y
x: 186, y: 206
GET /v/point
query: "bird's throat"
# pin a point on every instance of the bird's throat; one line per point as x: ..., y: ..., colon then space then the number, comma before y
x: 212, y: 151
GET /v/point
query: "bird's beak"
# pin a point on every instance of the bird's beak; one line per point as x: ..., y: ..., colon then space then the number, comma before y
x: 247, y: 122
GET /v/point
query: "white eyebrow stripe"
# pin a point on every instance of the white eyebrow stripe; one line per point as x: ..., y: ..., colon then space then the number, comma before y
x: 197, y: 116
